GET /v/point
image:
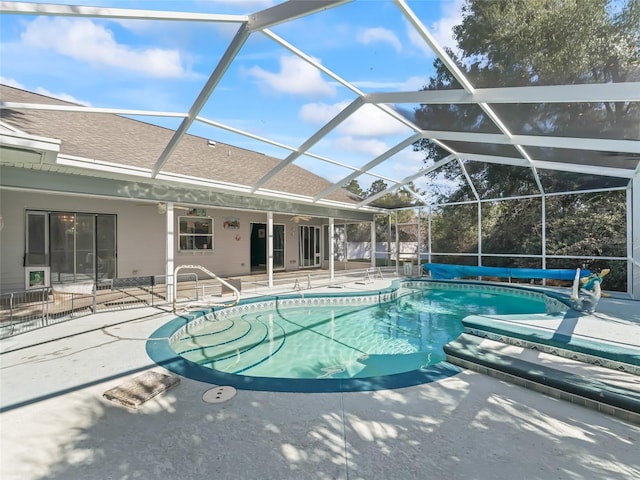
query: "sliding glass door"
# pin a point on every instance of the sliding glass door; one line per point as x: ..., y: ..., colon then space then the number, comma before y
x: 309, y: 246
x: 106, y: 246
x: 82, y: 246
x: 62, y: 244
x: 278, y: 247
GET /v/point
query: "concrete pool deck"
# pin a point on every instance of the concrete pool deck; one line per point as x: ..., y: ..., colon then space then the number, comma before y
x: 55, y: 423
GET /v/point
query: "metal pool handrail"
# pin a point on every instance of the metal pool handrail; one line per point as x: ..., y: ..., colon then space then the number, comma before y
x: 235, y: 291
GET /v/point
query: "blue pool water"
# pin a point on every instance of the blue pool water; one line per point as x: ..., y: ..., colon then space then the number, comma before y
x: 325, y: 341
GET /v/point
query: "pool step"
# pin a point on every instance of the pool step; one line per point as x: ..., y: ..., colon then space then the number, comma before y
x: 246, y: 340
x: 210, y: 336
x: 253, y: 352
x: 614, y: 392
x: 237, y: 338
x: 193, y: 337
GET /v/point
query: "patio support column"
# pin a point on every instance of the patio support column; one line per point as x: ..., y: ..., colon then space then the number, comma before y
x: 479, y: 233
x: 430, y: 234
x: 332, y: 261
x: 270, y: 248
x: 389, y: 242
x: 543, y: 213
x: 397, y: 243
x: 169, y: 265
x: 634, y: 264
x: 373, y: 243
x: 419, y: 249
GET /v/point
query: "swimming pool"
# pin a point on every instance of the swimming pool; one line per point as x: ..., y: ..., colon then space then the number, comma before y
x: 382, y: 339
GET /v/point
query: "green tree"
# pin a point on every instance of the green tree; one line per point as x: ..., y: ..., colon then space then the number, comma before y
x: 548, y: 42
x: 540, y: 42
x: 528, y: 43
x: 354, y: 187
x: 376, y: 187
x: 399, y: 198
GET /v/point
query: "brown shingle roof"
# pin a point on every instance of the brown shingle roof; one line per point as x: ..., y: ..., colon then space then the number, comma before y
x: 116, y: 139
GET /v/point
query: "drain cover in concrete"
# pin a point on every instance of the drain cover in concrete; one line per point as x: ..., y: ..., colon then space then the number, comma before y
x: 219, y: 394
x: 138, y: 390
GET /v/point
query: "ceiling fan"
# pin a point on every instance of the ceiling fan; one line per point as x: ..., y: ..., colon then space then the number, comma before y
x: 161, y: 207
x: 300, y: 218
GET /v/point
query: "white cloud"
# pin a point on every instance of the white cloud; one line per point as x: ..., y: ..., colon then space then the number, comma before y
x: 401, y: 165
x: 414, y: 83
x: 362, y: 134
x: 370, y: 121
x: 11, y: 82
x: 370, y: 147
x: 61, y: 96
x: 248, y: 6
x: 320, y: 113
x: 367, y: 121
x: 379, y: 35
x: 411, y: 84
x: 295, y: 77
x: 406, y: 162
x: 42, y: 91
x: 87, y: 41
x: 441, y: 30
x: 418, y: 42
x: 376, y: 85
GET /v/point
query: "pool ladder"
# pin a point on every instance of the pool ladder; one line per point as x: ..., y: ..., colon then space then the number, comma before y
x: 234, y: 290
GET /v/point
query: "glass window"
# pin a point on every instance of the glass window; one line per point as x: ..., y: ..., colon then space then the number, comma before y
x: 37, y: 239
x: 195, y: 233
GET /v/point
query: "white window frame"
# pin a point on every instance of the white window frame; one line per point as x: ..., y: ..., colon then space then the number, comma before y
x: 194, y: 235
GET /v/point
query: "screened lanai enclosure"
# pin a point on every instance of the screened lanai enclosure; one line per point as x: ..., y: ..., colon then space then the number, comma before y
x: 513, y: 233
x: 478, y: 132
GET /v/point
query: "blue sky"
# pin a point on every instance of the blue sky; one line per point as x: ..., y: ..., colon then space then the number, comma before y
x: 268, y: 91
